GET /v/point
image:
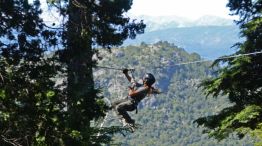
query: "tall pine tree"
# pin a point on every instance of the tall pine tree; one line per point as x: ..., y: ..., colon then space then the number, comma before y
x: 33, y: 111
x: 240, y: 79
x: 90, y: 23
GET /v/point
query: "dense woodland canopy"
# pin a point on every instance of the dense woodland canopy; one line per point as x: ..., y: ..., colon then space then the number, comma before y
x: 240, y: 79
x: 34, y: 110
x: 57, y: 98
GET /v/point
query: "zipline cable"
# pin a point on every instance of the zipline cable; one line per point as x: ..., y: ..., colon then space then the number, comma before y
x: 219, y: 58
x: 113, y: 68
x: 191, y: 62
x: 239, y: 55
x: 182, y: 63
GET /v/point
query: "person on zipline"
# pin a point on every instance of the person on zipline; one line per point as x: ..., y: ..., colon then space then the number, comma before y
x: 137, y: 92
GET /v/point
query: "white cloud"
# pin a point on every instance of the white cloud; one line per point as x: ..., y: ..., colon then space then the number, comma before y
x: 185, y: 8
x: 191, y: 9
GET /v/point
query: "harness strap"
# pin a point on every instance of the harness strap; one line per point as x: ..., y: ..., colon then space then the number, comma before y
x: 135, y: 103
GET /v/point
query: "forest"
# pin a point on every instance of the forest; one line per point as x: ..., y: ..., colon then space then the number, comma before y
x: 57, y: 79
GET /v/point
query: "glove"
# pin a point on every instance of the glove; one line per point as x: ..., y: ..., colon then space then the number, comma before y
x: 156, y: 91
x: 125, y: 71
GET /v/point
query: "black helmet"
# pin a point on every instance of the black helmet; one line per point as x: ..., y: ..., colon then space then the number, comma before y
x: 149, y: 79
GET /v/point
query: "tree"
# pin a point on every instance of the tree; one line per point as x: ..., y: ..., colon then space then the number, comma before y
x: 31, y: 107
x: 90, y: 23
x: 240, y: 79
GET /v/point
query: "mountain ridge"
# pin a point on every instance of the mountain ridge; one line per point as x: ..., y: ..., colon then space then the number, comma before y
x: 163, y: 22
x: 209, y: 41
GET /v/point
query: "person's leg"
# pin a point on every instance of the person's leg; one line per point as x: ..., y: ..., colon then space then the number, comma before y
x: 115, y: 108
x: 115, y: 103
x: 122, y: 108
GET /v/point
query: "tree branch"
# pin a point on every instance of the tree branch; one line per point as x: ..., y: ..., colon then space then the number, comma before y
x: 12, y: 141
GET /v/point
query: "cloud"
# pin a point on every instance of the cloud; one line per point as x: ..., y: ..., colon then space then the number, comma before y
x: 185, y: 8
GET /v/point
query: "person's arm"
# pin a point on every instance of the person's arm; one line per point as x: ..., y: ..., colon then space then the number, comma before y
x: 129, y: 78
x: 133, y: 92
x: 125, y: 71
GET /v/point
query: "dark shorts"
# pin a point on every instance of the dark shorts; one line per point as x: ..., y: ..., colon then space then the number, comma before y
x: 122, y: 106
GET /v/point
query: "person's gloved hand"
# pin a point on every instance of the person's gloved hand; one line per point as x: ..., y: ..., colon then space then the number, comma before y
x: 156, y: 91
x: 125, y: 71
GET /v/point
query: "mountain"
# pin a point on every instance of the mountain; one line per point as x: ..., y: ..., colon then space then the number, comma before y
x: 166, y: 119
x: 165, y: 22
x: 209, y: 36
x: 208, y: 41
x: 212, y: 21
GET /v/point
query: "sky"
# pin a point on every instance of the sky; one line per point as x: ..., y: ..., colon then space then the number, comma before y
x: 191, y: 9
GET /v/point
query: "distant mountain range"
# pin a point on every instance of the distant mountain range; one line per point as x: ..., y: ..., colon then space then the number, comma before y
x: 164, y: 22
x: 209, y: 36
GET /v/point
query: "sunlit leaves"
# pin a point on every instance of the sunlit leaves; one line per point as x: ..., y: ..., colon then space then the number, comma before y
x: 40, y: 139
x: 50, y: 94
x: 4, y: 116
x: 248, y: 114
x: 2, y: 94
x: 76, y: 134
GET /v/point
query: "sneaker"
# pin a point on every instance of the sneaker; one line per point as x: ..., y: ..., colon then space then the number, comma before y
x: 123, y: 121
x: 132, y: 122
x: 131, y: 127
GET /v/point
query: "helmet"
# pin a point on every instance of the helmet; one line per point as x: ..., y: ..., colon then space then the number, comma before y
x: 149, y: 79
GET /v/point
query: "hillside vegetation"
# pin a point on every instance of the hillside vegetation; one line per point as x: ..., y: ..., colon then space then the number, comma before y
x: 166, y: 119
x: 208, y: 41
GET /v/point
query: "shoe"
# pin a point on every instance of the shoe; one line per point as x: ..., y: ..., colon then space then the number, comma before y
x: 132, y: 127
x: 125, y: 124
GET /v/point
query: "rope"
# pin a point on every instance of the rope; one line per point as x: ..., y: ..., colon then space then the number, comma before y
x: 109, y: 67
x: 192, y: 62
x: 239, y: 55
x: 113, y: 68
x: 225, y: 57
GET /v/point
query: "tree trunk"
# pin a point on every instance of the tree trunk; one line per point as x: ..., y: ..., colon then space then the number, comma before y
x: 80, y: 75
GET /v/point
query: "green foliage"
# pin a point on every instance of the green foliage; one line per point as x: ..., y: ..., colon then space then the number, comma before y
x: 34, y: 108
x: 233, y: 120
x: 31, y: 106
x: 2, y: 94
x: 76, y: 135
x: 89, y: 23
x: 249, y: 113
x: 239, y: 79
